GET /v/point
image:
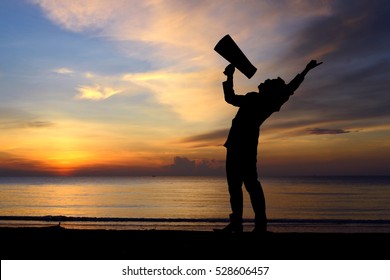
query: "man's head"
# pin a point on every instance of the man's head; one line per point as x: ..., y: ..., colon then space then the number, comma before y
x: 270, y: 86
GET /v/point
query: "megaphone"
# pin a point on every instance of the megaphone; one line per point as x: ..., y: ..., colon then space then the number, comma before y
x: 229, y: 50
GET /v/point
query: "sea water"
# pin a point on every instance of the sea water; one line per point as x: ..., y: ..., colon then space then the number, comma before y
x: 294, y: 204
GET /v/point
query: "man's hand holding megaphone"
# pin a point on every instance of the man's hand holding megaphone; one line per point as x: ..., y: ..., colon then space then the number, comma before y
x: 229, y: 70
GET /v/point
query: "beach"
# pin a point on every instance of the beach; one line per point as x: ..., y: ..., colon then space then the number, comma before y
x: 171, y: 218
x: 58, y: 243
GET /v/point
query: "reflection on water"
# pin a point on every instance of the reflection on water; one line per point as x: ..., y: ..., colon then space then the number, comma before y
x: 204, y: 198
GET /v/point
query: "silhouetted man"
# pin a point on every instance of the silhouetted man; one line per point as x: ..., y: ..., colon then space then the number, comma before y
x: 241, y: 143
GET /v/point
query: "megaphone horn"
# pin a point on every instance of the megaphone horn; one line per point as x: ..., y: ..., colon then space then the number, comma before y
x: 229, y: 50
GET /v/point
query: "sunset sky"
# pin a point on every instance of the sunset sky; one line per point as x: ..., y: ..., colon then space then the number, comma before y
x: 123, y: 87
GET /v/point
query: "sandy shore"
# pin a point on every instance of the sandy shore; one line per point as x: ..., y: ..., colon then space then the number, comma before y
x: 66, y: 244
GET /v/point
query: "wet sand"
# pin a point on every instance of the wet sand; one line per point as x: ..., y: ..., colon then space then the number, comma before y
x: 58, y: 243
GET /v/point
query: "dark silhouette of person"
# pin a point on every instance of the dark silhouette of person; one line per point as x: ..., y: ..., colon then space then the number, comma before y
x: 242, y: 142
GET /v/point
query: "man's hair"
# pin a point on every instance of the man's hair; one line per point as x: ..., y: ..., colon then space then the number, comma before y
x: 274, y: 85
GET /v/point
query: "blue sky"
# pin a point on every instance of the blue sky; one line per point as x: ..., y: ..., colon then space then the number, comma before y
x: 134, y: 87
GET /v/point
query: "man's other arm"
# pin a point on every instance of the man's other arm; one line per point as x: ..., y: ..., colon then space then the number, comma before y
x: 296, y: 82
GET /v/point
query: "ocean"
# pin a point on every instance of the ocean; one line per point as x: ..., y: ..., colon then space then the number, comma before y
x: 294, y: 204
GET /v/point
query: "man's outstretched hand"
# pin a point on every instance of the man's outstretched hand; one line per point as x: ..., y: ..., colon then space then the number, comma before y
x: 312, y: 64
x: 229, y: 70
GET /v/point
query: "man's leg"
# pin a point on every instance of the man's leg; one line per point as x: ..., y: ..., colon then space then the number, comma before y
x: 258, y: 204
x: 234, y: 180
x: 256, y: 194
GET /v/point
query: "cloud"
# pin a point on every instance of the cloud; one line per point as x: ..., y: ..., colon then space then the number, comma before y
x: 12, y: 165
x: 352, y: 85
x: 96, y: 92
x: 63, y: 71
x: 209, y: 136
x: 349, y: 29
x: 78, y: 16
x: 176, y: 38
x: 183, y: 166
x: 178, y: 32
x: 15, y: 118
x: 207, y: 167
x: 212, y: 138
x: 190, y: 95
x: 40, y: 124
x: 320, y: 131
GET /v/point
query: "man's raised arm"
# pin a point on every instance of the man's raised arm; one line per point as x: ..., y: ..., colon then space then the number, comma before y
x: 228, y: 91
x: 295, y: 83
